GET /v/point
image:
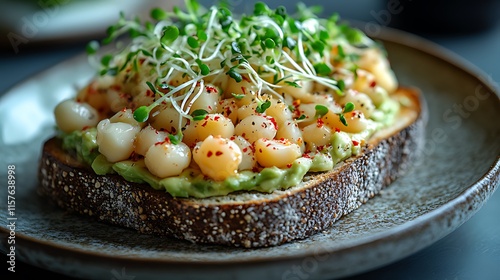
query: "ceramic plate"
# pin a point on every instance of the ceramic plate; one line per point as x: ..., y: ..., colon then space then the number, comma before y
x: 457, y: 173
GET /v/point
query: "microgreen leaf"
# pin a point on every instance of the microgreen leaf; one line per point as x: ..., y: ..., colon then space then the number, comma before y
x: 105, y: 60
x: 263, y: 106
x: 321, y: 110
x: 92, y: 47
x: 151, y: 87
x: 158, y: 14
x: 349, y: 107
x: 322, y: 69
x: 293, y: 84
x: 342, y: 119
x: 175, y: 138
x: 235, y: 75
x: 302, y: 117
x: 170, y: 34
x: 238, y: 96
x: 269, y: 43
x: 192, y: 42
x: 141, y: 114
x: 199, y: 114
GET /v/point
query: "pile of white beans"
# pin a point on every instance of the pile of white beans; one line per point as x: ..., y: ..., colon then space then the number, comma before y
x: 232, y: 137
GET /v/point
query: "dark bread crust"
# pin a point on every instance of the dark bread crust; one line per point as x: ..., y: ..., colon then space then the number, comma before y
x: 241, y: 219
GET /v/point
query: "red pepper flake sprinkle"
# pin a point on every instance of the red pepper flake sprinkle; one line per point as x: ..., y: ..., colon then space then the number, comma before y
x: 216, y: 118
x: 355, y: 143
x: 319, y: 122
x: 373, y: 83
x: 218, y: 153
x: 289, y: 165
x: 273, y: 121
x: 209, y: 154
x: 337, y: 129
x: 211, y: 89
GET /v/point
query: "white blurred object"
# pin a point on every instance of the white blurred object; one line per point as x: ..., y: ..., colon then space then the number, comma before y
x: 54, y: 20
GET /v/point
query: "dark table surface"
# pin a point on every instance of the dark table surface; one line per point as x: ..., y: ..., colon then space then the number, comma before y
x: 470, y: 252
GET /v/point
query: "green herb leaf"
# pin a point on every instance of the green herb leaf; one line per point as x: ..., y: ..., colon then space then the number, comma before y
x: 262, y: 107
x: 192, y: 42
x: 269, y: 43
x: 349, y: 107
x: 322, y: 69
x: 175, y: 138
x: 302, y: 117
x: 92, y: 47
x: 199, y: 114
x: 342, y: 119
x: 141, y: 114
x: 321, y: 110
x: 293, y: 84
x: 235, y: 75
x: 170, y: 34
x: 158, y: 14
x: 105, y: 60
x: 238, y: 96
x: 151, y: 87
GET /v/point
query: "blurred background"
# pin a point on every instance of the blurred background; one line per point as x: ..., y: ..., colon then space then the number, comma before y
x: 36, y: 34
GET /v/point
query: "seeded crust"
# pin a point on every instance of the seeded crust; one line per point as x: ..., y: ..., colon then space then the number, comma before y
x: 245, y: 219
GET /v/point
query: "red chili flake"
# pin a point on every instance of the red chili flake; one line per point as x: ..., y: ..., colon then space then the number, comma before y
x: 273, y: 121
x: 243, y: 89
x: 337, y: 129
x: 269, y: 144
x: 373, y: 83
x: 209, y: 108
x: 204, y: 124
x: 209, y: 154
x: 319, y: 122
x: 320, y: 148
x: 149, y: 93
x: 211, y: 89
x: 260, y: 150
x: 141, y: 61
x: 218, y: 153
x: 289, y: 165
x: 355, y: 143
x: 245, y: 149
x: 306, y: 156
x: 216, y: 118
x: 245, y: 78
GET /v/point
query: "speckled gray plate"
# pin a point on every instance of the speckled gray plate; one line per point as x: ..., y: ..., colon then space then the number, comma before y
x: 458, y: 172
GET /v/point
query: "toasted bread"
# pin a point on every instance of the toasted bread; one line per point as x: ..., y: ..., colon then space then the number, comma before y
x: 242, y: 219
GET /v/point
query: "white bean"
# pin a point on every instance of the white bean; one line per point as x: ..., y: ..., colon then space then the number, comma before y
x: 71, y: 115
x: 248, y: 161
x: 290, y: 130
x: 125, y: 116
x: 147, y: 137
x: 167, y: 119
x: 166, y: 159
x: 229, y: 109
x: 317, y: 134
x: 361, y: 101
x: 279, y: 153
x: 214, y: 124
x: 217, y: 157
x: 116, y: 140
x: 207, y: 100
x: 374, y: 61
x: 256, y: 126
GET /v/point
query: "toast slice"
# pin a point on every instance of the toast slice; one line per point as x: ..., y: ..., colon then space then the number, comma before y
x: 243, y: 219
